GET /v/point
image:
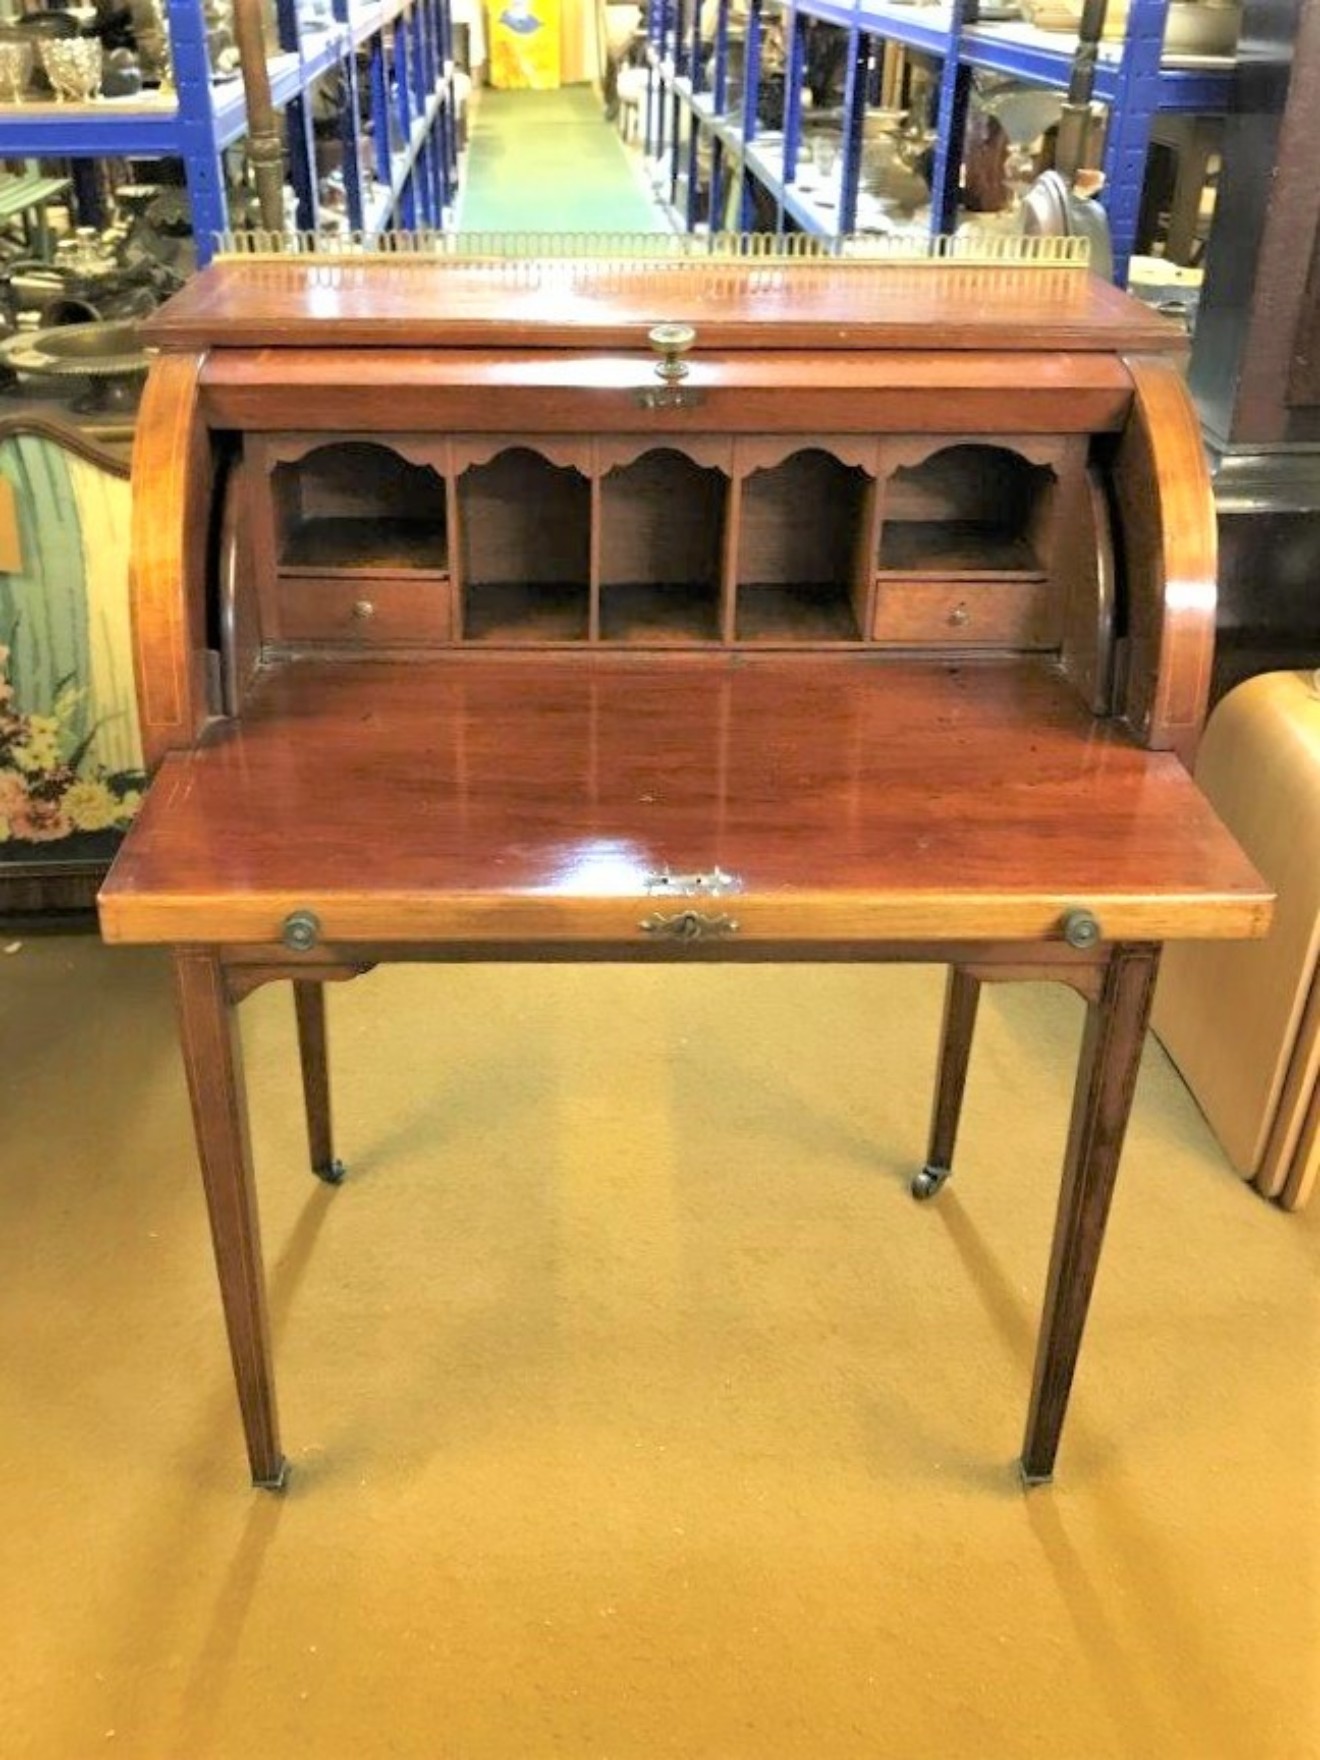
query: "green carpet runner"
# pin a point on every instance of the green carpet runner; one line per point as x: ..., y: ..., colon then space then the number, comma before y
x: 550, y: 162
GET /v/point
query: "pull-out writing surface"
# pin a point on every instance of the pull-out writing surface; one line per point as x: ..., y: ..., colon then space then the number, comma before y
x: 844, y: 799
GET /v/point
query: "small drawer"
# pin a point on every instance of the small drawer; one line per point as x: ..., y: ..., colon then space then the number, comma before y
x: 966, y: 614
x: 377, y: 611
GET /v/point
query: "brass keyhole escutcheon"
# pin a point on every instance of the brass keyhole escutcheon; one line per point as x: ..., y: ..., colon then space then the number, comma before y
x: 301, y: 931
x: 671, y: 342
x: 688, y: 925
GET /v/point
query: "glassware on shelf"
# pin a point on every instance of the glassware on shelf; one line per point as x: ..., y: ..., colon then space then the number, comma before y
x: 824, y: 152
x: 15, y: 71
x: 73, y: 66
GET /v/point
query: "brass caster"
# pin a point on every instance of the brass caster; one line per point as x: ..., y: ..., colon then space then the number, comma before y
x: 926, y: 1183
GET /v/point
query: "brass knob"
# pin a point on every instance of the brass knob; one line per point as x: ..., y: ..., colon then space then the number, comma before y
x: 363, y: 609
x: 959, y: 616
x: 301, y: 931
x: 671, y: 342
x: 1080, y: 929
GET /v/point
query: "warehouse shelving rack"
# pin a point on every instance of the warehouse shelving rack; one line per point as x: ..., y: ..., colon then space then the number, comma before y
x: 689, y: 78
x: 414, y: 138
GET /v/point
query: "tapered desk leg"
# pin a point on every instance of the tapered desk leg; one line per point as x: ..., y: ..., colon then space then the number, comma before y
x: 962, y: 993
x: 309, y: 1004
x: 1106, y: 1081
x: 213, y: 1059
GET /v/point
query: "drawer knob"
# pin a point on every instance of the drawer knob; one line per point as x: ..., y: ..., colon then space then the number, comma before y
x: 363, y: 609
x: 301, y: 931
x: 959, y: 616
x: 671, y: 342
x: 1081, y: 929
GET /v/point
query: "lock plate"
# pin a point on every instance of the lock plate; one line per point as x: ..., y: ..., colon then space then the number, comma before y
x: 688, y: 926
x: 713, y: 884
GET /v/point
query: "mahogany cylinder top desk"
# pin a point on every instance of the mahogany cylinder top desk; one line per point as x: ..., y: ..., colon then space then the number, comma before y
x: 701, y: 608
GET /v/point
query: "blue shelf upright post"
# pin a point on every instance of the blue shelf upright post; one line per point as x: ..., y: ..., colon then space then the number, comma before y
x: 696, y: 71
x: 198, y: 133
x: 675, y: 102
x: 794, y: 73
x: 719, y: 100
x: 439, y: 90
x: 350, y: 129
x: 661, y: 11
x: 407, y: 202
x: 417, y: 69
x: 950, y: 130
x: 654, y: 11
x: 378, y: 82
x: 454, y: 130
x: 1127, y: 139
x: 299, y: 143
x: 854, y: 126
x: 751, y: 104
x: 450, y: 139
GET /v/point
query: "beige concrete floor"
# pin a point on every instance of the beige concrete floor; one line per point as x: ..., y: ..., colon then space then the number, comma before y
x: 635, y: 1409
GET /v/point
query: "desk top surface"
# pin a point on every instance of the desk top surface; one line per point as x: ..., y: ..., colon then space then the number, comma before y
x: 601, y: 303
x: 507, y: 799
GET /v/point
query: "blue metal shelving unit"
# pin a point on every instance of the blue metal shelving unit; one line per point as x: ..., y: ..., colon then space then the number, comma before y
x: 1132, y: 80
x: 409, y: 48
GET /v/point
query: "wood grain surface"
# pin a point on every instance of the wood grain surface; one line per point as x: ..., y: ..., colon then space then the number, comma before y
x: 830, y: 305
x: 776, y: 389
x: 1169, y: 540
x: 852, y: 797
x: 171, y: 454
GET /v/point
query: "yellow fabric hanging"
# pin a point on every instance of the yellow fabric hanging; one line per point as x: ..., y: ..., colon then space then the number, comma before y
x: 524, y: 45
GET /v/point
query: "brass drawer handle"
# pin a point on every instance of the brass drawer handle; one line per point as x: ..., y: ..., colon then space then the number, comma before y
x: 363, y: 609
x: 688, y: 925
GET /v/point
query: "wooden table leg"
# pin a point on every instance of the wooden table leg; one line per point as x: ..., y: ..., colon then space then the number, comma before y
x: 962, y: 993
x: 309, y: 1004
x: 1106, y: 1081
x: 213, y: 1060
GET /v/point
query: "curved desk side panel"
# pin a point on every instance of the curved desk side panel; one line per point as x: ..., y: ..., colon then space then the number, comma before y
x: 1169, y: 549
x: 172, y: 489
